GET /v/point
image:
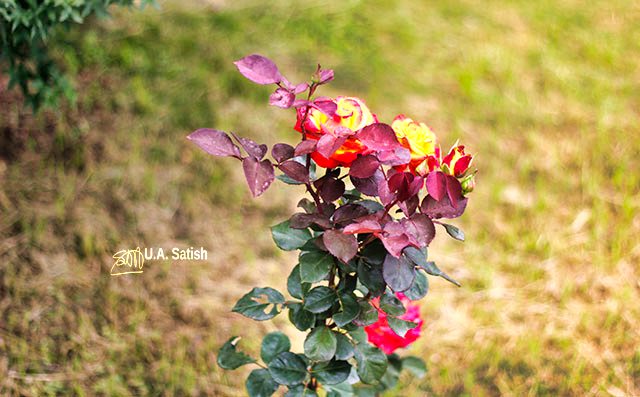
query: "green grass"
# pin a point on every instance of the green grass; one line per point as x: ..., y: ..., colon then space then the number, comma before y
x: 545, y: 94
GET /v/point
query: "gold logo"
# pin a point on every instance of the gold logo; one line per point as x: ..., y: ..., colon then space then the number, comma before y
x: 127, y: 262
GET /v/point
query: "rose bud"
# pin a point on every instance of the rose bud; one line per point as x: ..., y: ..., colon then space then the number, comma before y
x: 421, y: 141
x: 468, y: 184
x: 457, y: 162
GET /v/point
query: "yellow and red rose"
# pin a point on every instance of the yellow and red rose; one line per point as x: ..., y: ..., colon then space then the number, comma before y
x: 421, y: 141
x: 351, y: 113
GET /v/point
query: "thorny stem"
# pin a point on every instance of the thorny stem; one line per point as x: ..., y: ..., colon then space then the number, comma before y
x: 308, y: 185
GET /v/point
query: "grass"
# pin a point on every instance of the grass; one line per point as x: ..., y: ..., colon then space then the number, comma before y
x: 545, y: 93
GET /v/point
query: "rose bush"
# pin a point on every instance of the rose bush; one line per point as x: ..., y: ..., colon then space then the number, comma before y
x: 362, y: 239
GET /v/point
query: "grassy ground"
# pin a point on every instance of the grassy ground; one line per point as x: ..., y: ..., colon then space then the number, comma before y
x: 545, y: 93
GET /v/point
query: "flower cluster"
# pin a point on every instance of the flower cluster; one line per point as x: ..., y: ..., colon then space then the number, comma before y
x: 377, y: 193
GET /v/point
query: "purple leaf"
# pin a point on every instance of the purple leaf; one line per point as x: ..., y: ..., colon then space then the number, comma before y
x: 300, y: 88
x: 253, y: 149
x: 385, y: 194
x: 259, y: 174
x: 420, y: 230
x: 398, y: 272
x: 295, y: 171
x: 282, y: 152
x: 443, y: 208
x: 303, y: 221
x: 298, y: 103
x: 366, y: 224
x: 369, y: 186
x: 394, y: 238
x: 454, y: 190
x: 342, y: 246
x: 364, y: 166
x: 305, y: 147
x: 397, y: 156
x: 282, y: 98
x: 379, y: 137
x: 410, y: 206
x: 436, y: 184
x: 215, y: 142
x: 328, y: 144
x: 326, y: 105
x: 330, y: 189
x: 348, y: 212
x: 259, y: 69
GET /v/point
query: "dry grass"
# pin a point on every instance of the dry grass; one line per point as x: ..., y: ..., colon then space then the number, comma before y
x: 545, y: 93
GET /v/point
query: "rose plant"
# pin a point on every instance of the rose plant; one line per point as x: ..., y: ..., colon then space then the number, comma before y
x: 377, y: 192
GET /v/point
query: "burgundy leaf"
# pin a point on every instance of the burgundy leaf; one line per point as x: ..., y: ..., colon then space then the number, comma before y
x: 436, y: 184
x: 443, y: 208
x: 410, y: 206
x: 379, y: 137
x: 326, y: 105
x: 259, y: 69
x: 394, y: 239
x: 300, y: 88
x: 307, y: 205
x: 282, y: 98
x: 454, y: 190
x: 385, y: 194
x: 369, y: 186
x: 259, y: 174
x: 397, y: 156
x: 215, y: 142
x: 305, y: 147
x: 330, y: 189
x: 298, y: 103
x: 368, y: 224
x: 420, y: 230
x: 253, y: 149
x: 282, y: 152
x: 342, y: 246
x: 295, y: 171
x: 349, y: 212
x: 364, y: 166
x: 328, y: 144
x: 303, y: 221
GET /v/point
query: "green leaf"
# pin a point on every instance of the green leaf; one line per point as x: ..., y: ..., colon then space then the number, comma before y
x: 375, y: 253
x: 273, y: 344
x: 372, y: 363
x: 454, y: 231
x: 368, y: 314
x: 350, y: 310
x: 300, y: 391
x: 358, y: 335
x: 391, y: 305
x: 371, y: 277
x: 344, y: 347
x: 332, y: 372
x: 400, y: 326
x: 250, y: 305
x: 415, y: 365
x: 398, y: 273
x: 420, y: 259
x: 343, y: 389
x: 320, y: 299
x: 295, y: 286
x: 301, y: 318
x: 320, y: 344
x: 289, y: 239
x: 260, y: 383
x: 229, y: 358
x: 419, y: 288
x: 288, y: 369
x: 315, y: 266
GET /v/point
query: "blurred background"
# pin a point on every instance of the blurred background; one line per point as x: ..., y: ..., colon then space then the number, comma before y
x: 546, y: 94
